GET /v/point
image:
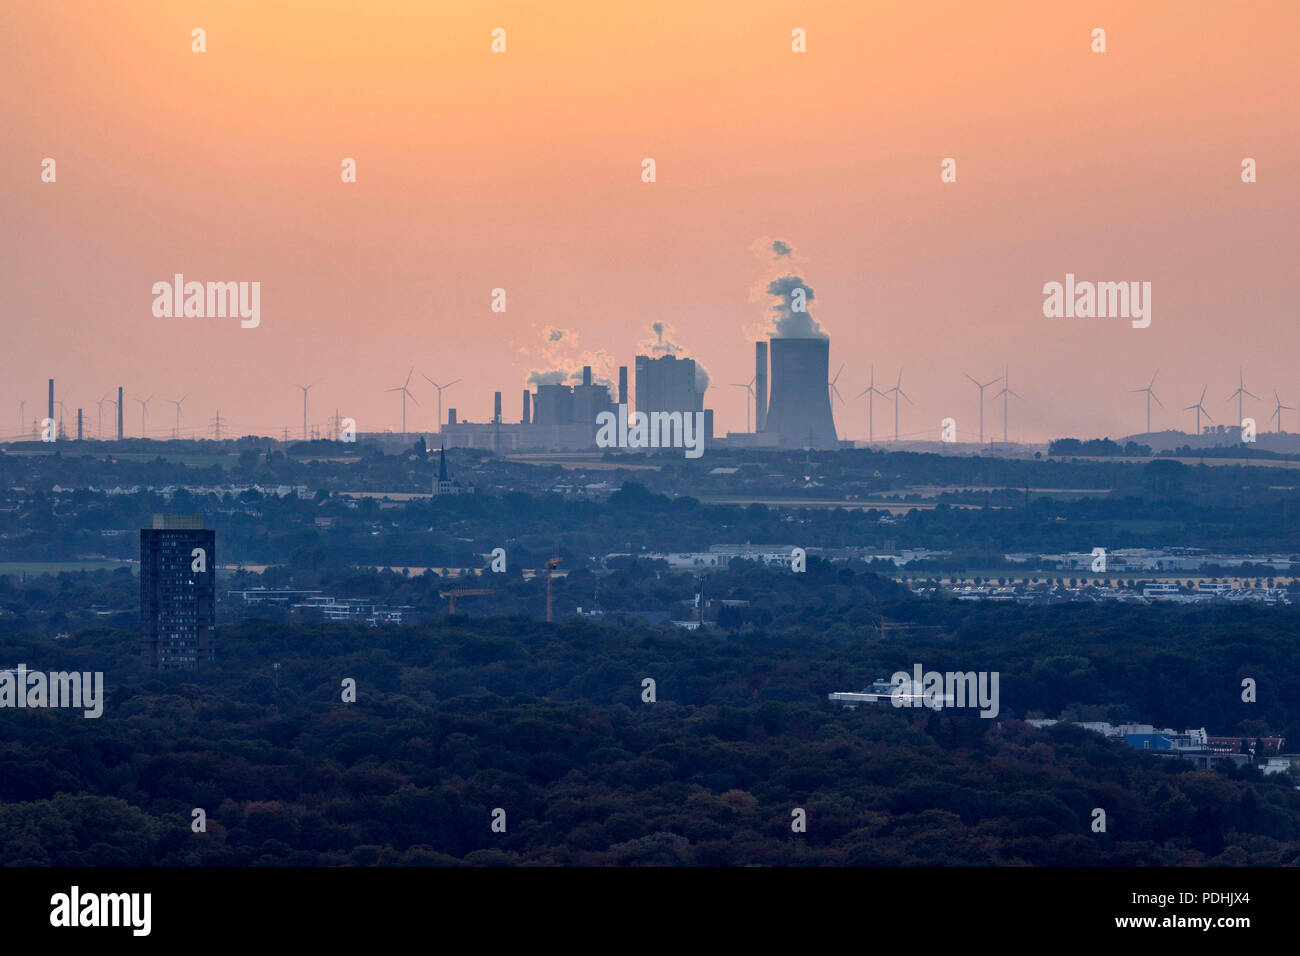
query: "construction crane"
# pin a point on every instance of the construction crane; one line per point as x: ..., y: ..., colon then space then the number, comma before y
x: 550, y: 566
x: 460, y: 592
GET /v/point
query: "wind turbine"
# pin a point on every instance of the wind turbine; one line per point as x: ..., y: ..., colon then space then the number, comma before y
x: 835, y: 392
x: 1006, y: 395
x: 176, y: 432
x: 144, y: 407
x: 1200, y: 407
x: 748, y: 387
x: 439, y: 388
x: 1278, y: 411
x: 871, y: 392
x: 99, y: 424
x: 897, y: 390
x: 59, y: 403
x: 406, y: 393
x: 1241, y: 393
x: 1150, y: 395
x: 305, y: 389
x: 981, y: 388
x: 113, y: 402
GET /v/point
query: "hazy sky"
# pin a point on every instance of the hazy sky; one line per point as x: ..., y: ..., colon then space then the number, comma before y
x: 522, y: 171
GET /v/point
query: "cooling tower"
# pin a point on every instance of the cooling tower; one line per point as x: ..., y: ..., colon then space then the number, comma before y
x: 799, y: 408
x: 760, y: 384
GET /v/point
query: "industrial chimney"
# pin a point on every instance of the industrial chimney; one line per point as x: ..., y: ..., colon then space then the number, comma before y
x: 528, y: 410
x: 800, y: 407
x: 622, y: 384
x: 51, y: 412
x: 496, y: 408
x: 451, y: 416
x: 586, y: 376
x: 119, y: 413
x: 760, y: 385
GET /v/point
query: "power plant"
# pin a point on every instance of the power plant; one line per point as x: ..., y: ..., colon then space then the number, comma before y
x: 798, y: 411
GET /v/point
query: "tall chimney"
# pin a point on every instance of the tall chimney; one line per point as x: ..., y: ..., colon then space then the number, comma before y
x: 119, y: 413
x: 51, y: 412
x: 496, y: 408
x: 586, y: 376
x: 78, y: 424
x: 451, y: 416
x: 622, y: 384
x: 760, y: 384
x: 528, y: 407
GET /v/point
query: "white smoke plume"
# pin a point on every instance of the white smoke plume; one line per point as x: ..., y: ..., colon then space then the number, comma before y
x: 786, y: 296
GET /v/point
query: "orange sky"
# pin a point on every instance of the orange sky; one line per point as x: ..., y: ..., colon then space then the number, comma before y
x: 522, y: 170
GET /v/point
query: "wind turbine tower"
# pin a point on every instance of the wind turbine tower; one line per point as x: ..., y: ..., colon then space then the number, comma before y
x: 1150, y: 395
x: 897, y: 391
x: 306, y: 388
x: 1277, y: 413
x: 176, y: 432
x: 981, y: 388
x: 439, y: 388
x: 1200, y: 408
x: 144, y: 409
x: 1006, y: 395
x: 749, y: 395
x: 1240, y: 395
x: 871, y: 392
x: 406, y: 393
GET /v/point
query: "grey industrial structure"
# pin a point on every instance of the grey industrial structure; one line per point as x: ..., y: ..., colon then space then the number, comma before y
x: 798, y: 411
x: 792, y: 399
x: 559, y: 417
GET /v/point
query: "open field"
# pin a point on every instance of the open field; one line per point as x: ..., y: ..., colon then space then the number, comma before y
x: 892, y: 506
x: 584, y: 460
x: 57, y: 567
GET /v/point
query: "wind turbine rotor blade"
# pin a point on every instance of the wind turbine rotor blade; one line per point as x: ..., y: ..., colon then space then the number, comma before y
x: 1158, y: 402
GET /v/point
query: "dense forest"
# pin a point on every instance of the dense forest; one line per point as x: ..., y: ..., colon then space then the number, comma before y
x: 458, y: 716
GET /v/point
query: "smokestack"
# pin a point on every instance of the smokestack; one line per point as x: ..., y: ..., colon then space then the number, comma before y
x: 51, y: 412
x: 586, y: 376
x: 800, y: 407
x: 451, y: 416
x: 496, y: 408
x: 119, y: 413
x: 622, y: 384
x: 528, y: 407
x: 78, y: 424
x: 760, y: 376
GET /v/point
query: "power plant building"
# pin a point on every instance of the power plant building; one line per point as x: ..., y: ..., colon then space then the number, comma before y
x: 799, y: 405
x: 667, y: 384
